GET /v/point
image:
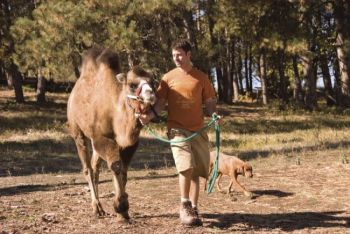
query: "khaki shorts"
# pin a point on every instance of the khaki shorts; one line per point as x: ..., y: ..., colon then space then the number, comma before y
x: 190, y: 154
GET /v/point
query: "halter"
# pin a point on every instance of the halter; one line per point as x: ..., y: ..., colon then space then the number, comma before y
x: 137, y: 98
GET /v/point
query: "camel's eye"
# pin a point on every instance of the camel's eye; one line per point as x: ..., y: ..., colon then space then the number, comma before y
x: 133, y: 86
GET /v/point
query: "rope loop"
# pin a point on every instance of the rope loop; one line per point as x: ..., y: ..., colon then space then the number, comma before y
x: 214, y: 120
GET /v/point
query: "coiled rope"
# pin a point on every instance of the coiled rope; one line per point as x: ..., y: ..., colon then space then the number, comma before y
x: 214, y: 119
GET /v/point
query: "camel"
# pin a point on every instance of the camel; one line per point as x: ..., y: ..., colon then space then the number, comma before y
x: 102, y: 118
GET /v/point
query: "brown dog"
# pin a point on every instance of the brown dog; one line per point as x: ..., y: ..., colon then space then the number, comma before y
x: 231, y: 166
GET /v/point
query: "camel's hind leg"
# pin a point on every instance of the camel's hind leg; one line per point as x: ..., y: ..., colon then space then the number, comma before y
x: 85, y: 157
x: 95, y: 165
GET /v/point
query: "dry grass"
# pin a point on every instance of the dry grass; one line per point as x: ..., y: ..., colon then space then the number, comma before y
x: 300, y: 161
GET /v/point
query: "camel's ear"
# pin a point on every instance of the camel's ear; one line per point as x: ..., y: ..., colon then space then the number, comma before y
x: 121, y: 77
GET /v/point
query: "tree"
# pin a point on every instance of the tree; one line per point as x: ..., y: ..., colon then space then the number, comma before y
x: 9, y: 12
x: 342, y: 18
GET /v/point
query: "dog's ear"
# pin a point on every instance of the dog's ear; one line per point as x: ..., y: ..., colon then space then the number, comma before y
x: 241, y: 170
x: 247, y: 167
x: 248, y: 170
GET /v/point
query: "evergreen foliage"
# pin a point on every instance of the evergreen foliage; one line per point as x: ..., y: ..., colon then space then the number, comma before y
x: 282, y: 45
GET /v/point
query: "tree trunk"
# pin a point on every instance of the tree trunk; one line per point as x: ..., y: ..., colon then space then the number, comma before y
x: 17, y: 82
x: 344, y: 74
x: 211, y: 22
x: 262, y: 69
x: 310, y: 83
x: 220, y: 84
x: 328, y: 90
x: 228, y: 73
x: 189, y: 27
x: 225, y: 82
x: 40, y: 90
x: 239, y: 72
x: 337, y: 84
x: 341, y: 9
x: 250, y: 69
x: 283, y: 81
x: 4, y: 76
x: 298, y: 93
x: 235, y: 88
x: 9, y: 80
x: 246, y: 72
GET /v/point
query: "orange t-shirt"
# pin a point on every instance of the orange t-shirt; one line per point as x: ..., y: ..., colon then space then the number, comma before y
x: 186, y: 94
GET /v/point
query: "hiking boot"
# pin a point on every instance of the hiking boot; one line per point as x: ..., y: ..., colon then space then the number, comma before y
x: 196, y: 212
x: 188, y: 215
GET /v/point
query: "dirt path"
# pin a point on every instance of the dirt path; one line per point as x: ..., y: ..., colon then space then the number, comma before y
x: 312, y: 197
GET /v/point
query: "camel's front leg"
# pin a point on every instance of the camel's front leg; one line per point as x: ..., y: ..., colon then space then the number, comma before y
x: 109, y: 150
x: 120, y: 169
x: 85, y: 157
x: 121, y: 203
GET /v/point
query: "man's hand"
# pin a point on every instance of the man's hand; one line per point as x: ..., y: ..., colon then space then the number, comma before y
x: 218, y: 118
x: 146, y: 117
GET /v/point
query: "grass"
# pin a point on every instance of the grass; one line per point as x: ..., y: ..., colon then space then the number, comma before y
x: 34, y: 139
x: 300, y: 162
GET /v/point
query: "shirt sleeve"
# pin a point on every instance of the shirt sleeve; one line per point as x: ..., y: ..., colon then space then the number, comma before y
x: 163, y: 89
x: 208, y: 90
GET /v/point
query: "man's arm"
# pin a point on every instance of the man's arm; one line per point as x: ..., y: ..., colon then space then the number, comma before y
x: 158, y: 107
x: 210, y: 106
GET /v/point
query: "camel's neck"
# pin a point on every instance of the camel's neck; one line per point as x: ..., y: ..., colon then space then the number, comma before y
x: 126, y: 125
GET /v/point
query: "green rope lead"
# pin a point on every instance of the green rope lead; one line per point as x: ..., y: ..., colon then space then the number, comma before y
x: 215, y: 173
x: 217, y: 133
x: 213, y: 120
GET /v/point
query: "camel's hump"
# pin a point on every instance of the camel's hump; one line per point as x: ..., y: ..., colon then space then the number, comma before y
x: 101, y: 55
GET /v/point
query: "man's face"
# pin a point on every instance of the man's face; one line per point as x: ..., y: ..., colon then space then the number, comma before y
x: 181, y: 58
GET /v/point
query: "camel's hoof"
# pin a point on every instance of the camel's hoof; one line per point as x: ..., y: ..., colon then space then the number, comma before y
x: 99, y: 214
x: 98, y: 210
x: 123, y: 218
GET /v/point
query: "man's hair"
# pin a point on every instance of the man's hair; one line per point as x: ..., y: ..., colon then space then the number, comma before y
x: 183, y: 44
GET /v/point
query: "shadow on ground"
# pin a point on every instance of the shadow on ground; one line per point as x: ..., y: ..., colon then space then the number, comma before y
x: 52, y: 156
x: 29, y: 188
x: 271, y: 192
x: 248, y: 155
x: 284, y: 221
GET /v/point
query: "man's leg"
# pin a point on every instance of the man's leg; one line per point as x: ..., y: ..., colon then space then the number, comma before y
x: 200, y: 150
x: 194, y: 191
x: 188, y: 214
x: 184, y: 162
x: 194, y: 194
x: 185, y: 184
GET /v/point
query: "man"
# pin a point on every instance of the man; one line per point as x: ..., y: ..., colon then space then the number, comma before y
x: 186, y: 89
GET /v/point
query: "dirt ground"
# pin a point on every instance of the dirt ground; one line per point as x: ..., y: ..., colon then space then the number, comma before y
x: 312, y: 197
x: 42, y: 190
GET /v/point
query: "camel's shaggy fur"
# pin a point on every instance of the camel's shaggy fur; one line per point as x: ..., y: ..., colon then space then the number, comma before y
x: 102, y: 119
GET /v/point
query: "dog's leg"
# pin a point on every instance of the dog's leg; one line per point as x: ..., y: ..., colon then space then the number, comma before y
x: 206, y: 180
x: 218, y: 183
x: 240, y: 187
x: 229, y: 186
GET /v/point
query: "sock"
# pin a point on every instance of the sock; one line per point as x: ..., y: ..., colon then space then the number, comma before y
x: 184, y: 199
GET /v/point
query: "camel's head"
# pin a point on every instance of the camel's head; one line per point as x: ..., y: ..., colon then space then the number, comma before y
x: 138, y: 88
